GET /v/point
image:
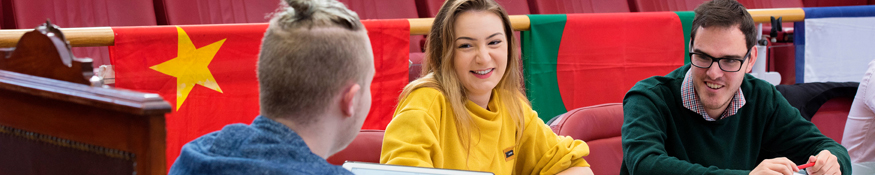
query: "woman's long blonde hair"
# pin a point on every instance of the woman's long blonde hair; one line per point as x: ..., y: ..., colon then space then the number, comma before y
x: 438, y: 69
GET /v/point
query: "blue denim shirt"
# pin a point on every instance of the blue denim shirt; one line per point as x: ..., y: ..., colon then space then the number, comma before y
x: 265, y: 147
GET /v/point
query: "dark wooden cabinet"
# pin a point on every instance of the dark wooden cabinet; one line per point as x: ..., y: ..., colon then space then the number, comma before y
x: 55, y: 123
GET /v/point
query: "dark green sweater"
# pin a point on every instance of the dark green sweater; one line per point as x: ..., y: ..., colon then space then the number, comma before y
x: 661, y: 136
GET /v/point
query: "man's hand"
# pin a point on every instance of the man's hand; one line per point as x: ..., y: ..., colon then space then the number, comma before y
x: 824, y: 163
x: 780, y: 165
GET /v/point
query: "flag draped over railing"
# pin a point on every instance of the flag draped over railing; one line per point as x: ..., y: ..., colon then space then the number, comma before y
x: 208, y: 73
x: 578, y: 60
x: 834, y: 43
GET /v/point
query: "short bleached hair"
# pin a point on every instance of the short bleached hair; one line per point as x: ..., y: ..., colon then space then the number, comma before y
x: 311, y: 50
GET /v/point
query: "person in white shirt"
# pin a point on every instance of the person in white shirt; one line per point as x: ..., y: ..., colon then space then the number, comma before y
x: 859, y: 133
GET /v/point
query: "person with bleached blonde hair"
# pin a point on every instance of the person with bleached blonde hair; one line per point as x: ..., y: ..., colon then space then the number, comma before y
x: 468, y: 111
x: 315, y: 69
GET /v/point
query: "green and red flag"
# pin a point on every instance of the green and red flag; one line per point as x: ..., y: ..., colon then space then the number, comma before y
x: 208, y: 73
x: 577, y: 60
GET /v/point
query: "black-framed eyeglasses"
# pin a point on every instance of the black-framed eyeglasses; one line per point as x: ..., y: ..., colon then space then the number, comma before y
x: 704, y: 61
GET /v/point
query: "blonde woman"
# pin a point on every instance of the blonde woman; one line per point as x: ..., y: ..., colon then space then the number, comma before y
x: 468, y: 110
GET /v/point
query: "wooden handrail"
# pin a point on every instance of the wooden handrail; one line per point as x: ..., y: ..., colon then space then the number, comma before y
x: 421, y: 26
x: 789, y: 14
x: 78, y: 37
x: 104, y: 36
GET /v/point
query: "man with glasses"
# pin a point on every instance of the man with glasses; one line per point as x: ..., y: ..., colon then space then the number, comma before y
x: 710, y: 117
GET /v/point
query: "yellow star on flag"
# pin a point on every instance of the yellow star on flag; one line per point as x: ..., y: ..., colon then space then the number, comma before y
x: 190, y: 66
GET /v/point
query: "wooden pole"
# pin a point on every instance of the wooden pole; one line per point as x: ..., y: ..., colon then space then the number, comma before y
x: 789, y: 14
x: 421, y: 26
x: 104, y: 36
x: 78, y: 37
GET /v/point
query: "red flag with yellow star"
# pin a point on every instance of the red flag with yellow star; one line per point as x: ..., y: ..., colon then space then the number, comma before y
x: 207, y: 73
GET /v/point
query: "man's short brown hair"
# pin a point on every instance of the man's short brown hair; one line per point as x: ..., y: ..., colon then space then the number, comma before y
x: 309, y: 52
x: 725, y: 13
